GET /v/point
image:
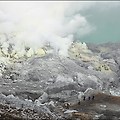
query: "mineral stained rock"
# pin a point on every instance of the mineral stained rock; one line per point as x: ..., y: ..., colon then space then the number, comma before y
x: 46, y: 86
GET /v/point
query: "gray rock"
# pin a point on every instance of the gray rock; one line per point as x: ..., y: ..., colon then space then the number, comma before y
x: 57, y: 87
x: 43, y: 98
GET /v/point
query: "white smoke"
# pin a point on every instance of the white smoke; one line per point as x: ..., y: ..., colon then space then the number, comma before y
x: 34, y: 24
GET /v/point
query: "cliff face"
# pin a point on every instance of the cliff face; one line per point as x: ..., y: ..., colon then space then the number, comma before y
x: 82, y: 85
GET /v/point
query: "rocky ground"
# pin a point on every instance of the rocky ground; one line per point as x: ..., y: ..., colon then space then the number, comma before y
x: 82, y: 86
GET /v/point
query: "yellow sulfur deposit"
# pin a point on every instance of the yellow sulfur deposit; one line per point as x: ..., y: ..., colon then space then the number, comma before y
x: 40, y: 52
x: 16, y: 56
x: 81, y: 51
x: 19, y: 54
x: 77, y: 48
x: 103, y: 68
x: 86, y: 58
x: 30, y: 52
x: 13, y: 53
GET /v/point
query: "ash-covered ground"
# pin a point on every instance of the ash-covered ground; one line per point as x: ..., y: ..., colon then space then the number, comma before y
x: 85, y: 85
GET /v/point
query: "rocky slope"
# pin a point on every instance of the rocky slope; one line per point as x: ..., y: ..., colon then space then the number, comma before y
x: 84, y: 85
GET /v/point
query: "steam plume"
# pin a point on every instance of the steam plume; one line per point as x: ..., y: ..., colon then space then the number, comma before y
x: 34, y: 24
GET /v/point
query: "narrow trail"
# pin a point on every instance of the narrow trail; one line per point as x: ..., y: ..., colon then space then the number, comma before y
x: 106, y: 106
